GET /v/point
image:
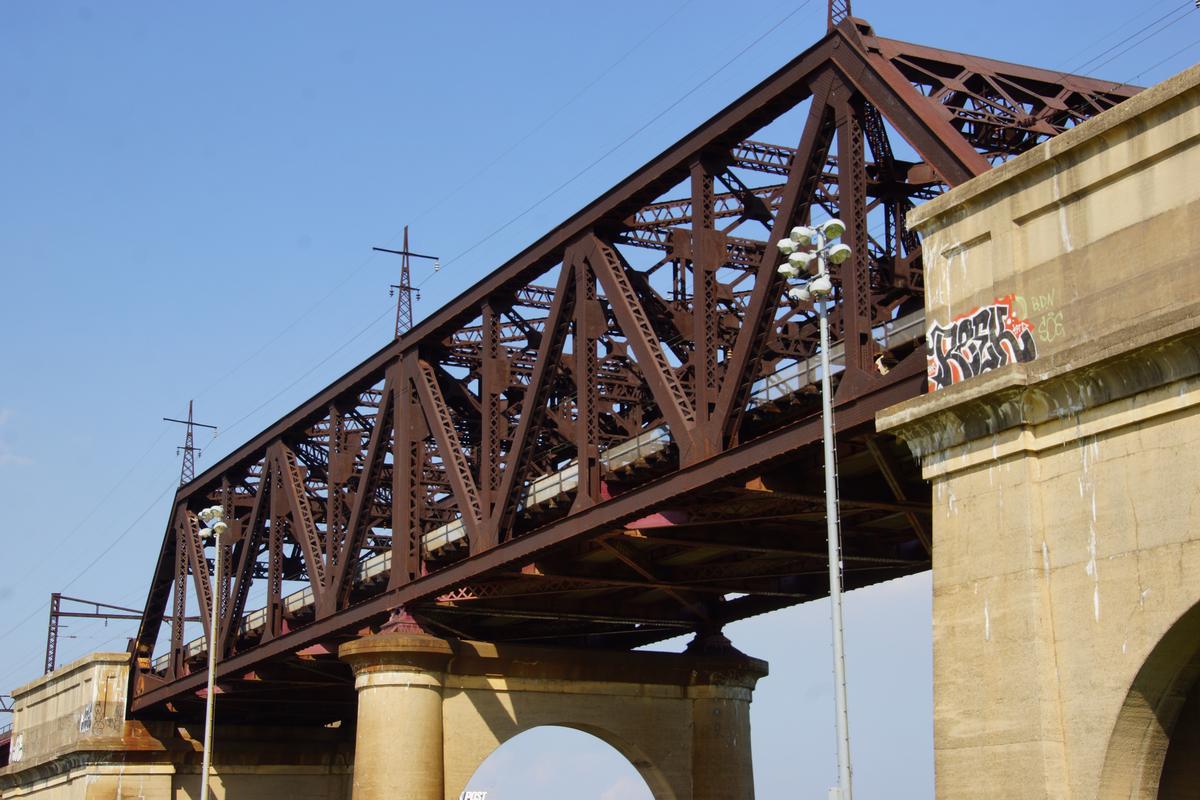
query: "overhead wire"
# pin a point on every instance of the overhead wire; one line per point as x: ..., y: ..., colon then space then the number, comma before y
x: 209, y: 385
x: 606, y: 154
x: 1120, y: 29
x: 303, y: 316
x: 475, y: 176
x: 1090, y: 64
x: 95, y: 560
x: 14, y: 672
x: 1189, y: 7
x: 387, y: 311
x: 552, y: 115
x: 1158, y: 64
x: 557, y: 189
x: 225, y: 429
x: 115, y: 541
x: 56, y: 554
x: 119, y: 537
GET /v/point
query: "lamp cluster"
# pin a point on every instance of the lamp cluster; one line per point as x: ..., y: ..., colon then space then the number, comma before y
x: 214, y: 518
x: 808, y: 251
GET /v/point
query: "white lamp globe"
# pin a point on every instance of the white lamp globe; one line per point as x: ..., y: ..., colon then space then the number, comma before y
x: 839, y: 253
x: 820, y: 286
x: 800, y: 295
x: 802, y: 235
x: 833, y: 228
x: 786, y: 246
x: 801, y: 262
x: 787, y: 270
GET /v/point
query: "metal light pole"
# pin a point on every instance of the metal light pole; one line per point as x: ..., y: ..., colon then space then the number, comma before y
x: 818, y: 291
x: 214, y: 518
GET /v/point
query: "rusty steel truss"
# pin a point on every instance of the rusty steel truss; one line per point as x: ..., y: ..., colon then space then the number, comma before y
x: 608, y: 440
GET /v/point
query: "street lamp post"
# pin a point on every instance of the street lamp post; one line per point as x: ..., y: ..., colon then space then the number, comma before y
x: 809, y: 251
x: 214, y: 520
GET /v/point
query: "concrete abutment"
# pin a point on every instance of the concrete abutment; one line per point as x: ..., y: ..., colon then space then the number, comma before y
x: 681, y: 720
x: 1061, y: 433
x: 430, y: 711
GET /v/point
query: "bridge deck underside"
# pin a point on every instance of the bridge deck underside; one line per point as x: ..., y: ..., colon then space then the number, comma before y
x: 614, y: 438
x: 746, y: 544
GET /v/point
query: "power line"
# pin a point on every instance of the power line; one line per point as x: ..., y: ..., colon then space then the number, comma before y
x: 55, y: 554
x: 84, y: 632
x: 1158, y: 64
x: 1120, y: 29
x: 21, y: 665
x: 303, y: 316
x: 1186, y: 8
x: 282, y: 332
x: 627, y: 139
x: 117, y: 540
x: 114, y: 542
x: 1149, y: 36
x: 524, y: 138
x: 323, y: 299
x: 23, y: 622
x: 308, y: 372
x: 547, y: 119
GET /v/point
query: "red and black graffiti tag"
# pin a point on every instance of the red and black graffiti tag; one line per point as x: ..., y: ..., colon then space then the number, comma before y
x: 980, y: 340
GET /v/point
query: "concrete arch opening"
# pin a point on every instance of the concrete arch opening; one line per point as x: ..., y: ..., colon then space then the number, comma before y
x: 681, y: 720
x: 562, y: 761
x: 1154, y: 750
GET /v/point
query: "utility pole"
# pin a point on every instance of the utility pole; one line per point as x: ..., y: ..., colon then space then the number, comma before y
x: 57, y: 613
x: 840, y: 9
x: 404, y: 290
x: 189, y: 450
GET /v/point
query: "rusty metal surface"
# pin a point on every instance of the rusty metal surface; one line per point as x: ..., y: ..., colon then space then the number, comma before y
x: 609, y: 440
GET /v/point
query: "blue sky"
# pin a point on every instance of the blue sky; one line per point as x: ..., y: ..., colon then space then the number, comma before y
x: 188, y: 200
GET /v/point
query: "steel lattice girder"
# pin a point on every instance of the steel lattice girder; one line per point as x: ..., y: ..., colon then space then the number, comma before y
x: 514, y: 381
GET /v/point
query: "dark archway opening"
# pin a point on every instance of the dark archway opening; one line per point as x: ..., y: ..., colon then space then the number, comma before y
x: 1181, y: 767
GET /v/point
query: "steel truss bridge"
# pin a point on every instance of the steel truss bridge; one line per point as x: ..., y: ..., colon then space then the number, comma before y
x: 614, y: 437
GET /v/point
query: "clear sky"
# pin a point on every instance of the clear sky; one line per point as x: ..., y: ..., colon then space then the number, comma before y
x: 188, y: 198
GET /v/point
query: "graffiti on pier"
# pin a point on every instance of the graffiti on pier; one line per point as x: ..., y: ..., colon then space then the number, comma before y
x: 981, y: 340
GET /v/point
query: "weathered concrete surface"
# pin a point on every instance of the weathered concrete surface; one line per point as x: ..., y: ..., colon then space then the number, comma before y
x: 430, y: 712
x: 266, y: 762
x: 71, y: 738
x: 72, y: 742
x: 682, y: 720
x: 1066, y: 560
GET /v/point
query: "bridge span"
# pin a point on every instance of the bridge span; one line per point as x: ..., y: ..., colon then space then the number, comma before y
x: 610, y: 439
